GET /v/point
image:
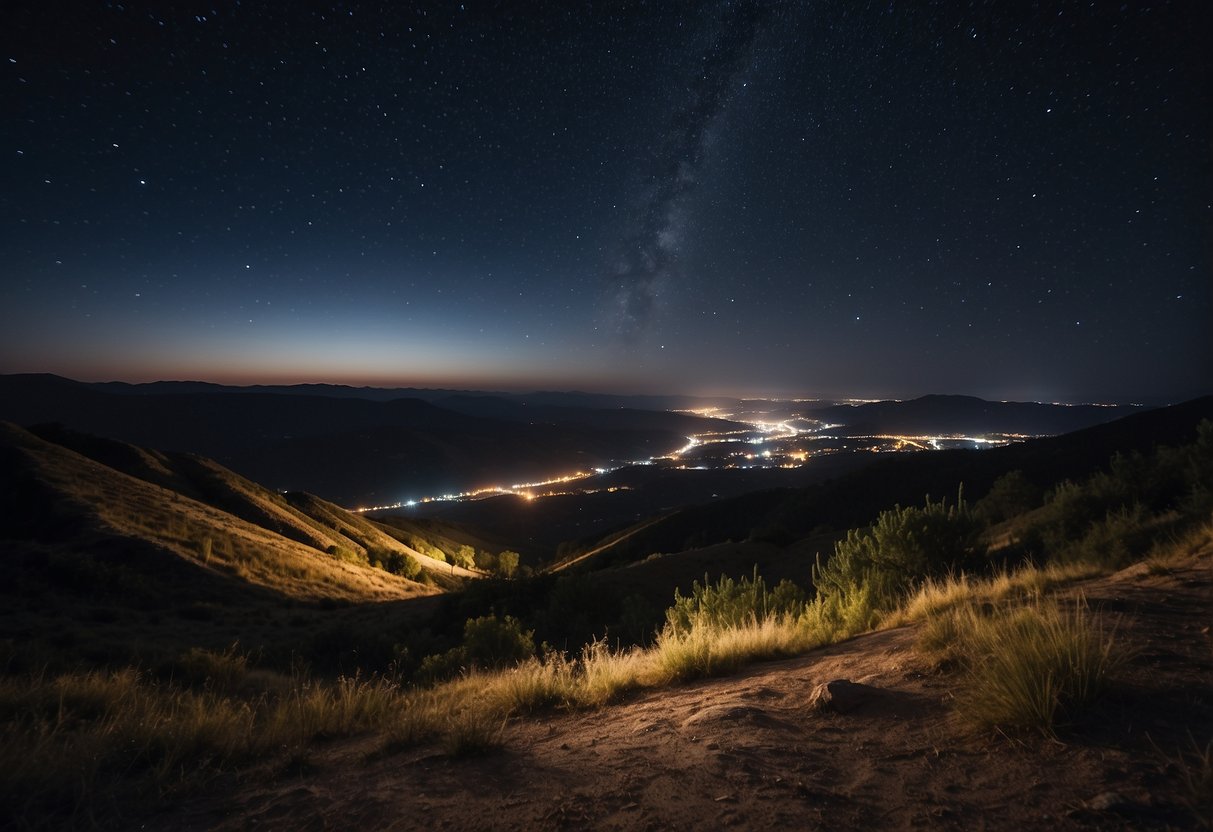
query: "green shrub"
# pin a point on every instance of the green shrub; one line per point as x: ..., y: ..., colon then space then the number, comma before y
x: 731, y: 603
x: 1012, y: 494
x: 904, y: 547
x: 488, y: 642
x: 507, y: 563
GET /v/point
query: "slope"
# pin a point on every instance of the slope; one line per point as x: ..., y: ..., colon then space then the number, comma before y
x: 87, y: 500
x: 105, y: 568
x: 752, y: 751
x: 352, y: 450
x: 847, y: 501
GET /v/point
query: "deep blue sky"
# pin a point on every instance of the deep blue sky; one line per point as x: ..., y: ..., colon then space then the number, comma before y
x: 818, y: 198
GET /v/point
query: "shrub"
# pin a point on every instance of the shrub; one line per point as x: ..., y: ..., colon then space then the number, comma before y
x: 464, y: 556
x: 732, y: 603
x: 488, y: 642
x: 904, y: 547
x: 1012, y: 494
x: 507, y: 563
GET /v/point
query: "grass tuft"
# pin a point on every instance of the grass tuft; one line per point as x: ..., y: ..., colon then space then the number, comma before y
x: 1194, y: 767
x: 1028, y: 667
x: 476, y: 731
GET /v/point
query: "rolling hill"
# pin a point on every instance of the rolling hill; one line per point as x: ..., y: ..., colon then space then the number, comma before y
x: 103, y: 540
x: 964, y: 415
x: 853, y: 499
x: 353, y: 450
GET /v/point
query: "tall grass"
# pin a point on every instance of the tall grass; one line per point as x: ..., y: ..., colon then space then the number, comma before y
x: 1026, y: 667
x: 937, y: 596
x: 67, y: 740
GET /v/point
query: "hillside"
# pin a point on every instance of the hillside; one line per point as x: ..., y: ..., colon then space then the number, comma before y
x: 964, y: 415
x: 351, y: 450
x: 786, y: 515
x: 120, y: 547
x: 752, y: 751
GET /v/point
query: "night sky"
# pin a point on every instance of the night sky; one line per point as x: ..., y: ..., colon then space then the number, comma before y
x: 1010, y: 200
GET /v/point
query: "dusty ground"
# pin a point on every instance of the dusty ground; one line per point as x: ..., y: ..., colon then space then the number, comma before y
x: 749, y: 752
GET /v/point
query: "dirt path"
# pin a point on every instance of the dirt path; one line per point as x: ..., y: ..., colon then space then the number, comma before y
x: 748, y: 751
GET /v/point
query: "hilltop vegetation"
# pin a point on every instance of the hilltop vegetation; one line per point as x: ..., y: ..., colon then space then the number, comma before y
x: 188, y: 622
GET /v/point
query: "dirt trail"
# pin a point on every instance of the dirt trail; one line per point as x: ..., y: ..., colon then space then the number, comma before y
x: 749, y: 751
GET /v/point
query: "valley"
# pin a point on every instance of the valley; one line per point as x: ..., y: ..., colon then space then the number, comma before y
x: 466, y: 627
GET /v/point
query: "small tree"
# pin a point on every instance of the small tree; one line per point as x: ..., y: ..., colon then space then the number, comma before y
x: 903, y: 546
x: 486, y: 561
x: 1012, y: 494
x: 507, y: 563
x: 464, y: 556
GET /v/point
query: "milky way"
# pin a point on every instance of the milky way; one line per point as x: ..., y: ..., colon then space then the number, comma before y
x: 648, y: 264
x: 822, y: 198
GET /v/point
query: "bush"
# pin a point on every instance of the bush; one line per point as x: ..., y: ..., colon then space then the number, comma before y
x: 507, y: 563
x: 1012, y: 494
x: 390, y: 560
x: 488, y: 642
x: 732, y: 603
x: 903, y: 548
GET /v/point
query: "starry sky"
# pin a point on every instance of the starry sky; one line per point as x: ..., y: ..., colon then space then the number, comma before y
x: 1010, y: 200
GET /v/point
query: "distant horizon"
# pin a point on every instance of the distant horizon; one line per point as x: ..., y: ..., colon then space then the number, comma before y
x: 491, y: 387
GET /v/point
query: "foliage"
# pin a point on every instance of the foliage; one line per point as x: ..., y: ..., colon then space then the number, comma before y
x: 730, y: 603
x: 507, y: 563
x: 1026, y: 667
x: 1112, y: 517
x: 1011, y: 495
x: 390, y: 560
x: 903, y: 548
x: 486, y: 561
x: 464, y: 556
x: 488, y: 642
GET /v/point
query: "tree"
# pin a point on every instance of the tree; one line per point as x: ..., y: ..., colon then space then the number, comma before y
x: 507, y: 563
x: 1012, y: 494
x: 486, y: 561
x: 465, y: 556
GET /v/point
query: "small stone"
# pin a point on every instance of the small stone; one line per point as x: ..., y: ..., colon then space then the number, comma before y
x: 1106, y: 802
x: 841, y: 696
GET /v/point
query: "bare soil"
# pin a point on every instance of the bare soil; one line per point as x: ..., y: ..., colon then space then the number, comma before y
x: 749, y: 751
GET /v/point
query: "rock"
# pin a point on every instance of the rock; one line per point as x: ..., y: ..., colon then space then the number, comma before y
x: 841, y: 696
x: 1106, y: 802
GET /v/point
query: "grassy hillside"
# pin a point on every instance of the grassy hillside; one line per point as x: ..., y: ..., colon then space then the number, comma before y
x: 853, y: 499
x: 355, y: 451
x: 176, y: 619
x: 97, y: 558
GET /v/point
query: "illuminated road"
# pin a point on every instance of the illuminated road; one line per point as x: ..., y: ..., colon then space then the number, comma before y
x: 787, y: 442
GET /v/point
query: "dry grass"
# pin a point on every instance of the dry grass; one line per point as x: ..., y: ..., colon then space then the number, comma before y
x: 1026, y: 667
x: 1194, y: 768
x: 64, y: 741
x: 712, y: 651
x: 938, y: 596
x: 129, y: 507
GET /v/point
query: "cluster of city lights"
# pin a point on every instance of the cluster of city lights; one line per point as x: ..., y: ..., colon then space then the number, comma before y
x: 761, y: 444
